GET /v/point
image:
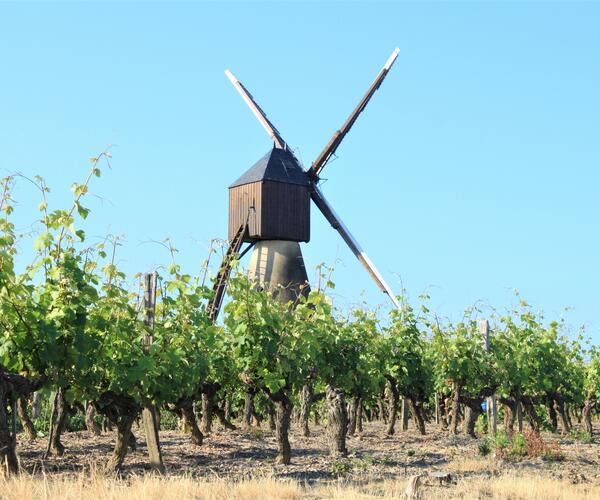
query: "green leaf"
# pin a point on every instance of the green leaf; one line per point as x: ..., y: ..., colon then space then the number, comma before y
x: 43, y: 241
x: 81, y: 210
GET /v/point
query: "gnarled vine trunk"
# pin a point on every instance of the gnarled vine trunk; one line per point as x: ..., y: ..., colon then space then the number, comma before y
x: 207, y: 412
x: 189, y: 421
x: 472, y: 412
x: 532, y: 416
x: 559, y: 406
x: 271, y: 416
x: 60, y: 415
x: 587, y: 414
x: 223, y: 417
x: 392, y: 398
x: 8, y: 442
x: 416, y: 409
x: 568, y: 414
x: 26, y: 422
x: 442, y: 411
x: 284, y: 407
x: 184, y: 409
x: 381, y: 410
x: 510, y: 414
x: 248, y: 408
x: 209, y: 391
x: 552, y: 417
x: 12, y: 385
x: 90, y: 424
x: 306, y: 396
x: 352, y: 414
x: 337, y: 423
x: 359, y: 416
x: 121, y: 411
x: 122, y: 443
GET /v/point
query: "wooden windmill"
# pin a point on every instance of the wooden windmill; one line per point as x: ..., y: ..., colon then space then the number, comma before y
x: 269, y: 209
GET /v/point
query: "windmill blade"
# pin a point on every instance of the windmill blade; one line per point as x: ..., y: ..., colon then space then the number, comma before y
x: 337, y: 138
x: 339, y: 226
x: 256, y: 109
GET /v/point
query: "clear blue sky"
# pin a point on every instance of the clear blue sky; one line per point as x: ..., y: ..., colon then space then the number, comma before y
x: 474, y: 170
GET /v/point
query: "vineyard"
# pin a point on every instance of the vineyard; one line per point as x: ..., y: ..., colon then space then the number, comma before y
x: 78, y: 344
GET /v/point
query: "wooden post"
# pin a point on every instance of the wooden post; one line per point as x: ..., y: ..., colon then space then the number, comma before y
x: 437, y: 408
x: 492, y: 409
x: 149, y: 415
x: 149, y: 306
x: 404, y: 414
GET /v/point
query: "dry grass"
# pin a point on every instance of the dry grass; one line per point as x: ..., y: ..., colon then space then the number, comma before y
x: 144, y: 488
x: 530, y: 487
x: 232, y: 465
x: 97, y: 487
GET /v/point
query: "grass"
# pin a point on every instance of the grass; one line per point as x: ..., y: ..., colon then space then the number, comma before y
x: 581, y: 436
x: 148, y: 487
x: 521, y: 446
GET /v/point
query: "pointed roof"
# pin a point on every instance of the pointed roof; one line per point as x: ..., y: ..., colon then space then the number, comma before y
x: 277, y: 165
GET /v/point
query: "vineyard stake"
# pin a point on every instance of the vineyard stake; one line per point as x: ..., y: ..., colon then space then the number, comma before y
x: 491, y: 409
x: 149, y: 415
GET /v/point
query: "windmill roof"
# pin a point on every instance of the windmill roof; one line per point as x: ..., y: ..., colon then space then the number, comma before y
x: 277, y: 165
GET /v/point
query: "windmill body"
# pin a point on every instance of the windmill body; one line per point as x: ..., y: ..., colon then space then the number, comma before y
x: 274, y: 197
x: 273, y: 200
x: 269, y: 208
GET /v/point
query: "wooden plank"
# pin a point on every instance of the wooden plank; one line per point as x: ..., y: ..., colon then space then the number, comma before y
x: 241, y: 200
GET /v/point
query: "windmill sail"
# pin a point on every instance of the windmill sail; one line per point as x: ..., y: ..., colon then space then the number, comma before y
x: 340, y: 227
x: 256, y: 109
x: 337, y: 138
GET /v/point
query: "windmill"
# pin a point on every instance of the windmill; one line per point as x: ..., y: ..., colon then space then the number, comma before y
x: 269, y: 209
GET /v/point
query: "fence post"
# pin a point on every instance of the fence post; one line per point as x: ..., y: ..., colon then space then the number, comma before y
x: 492, y: 410
x: 149, y: 415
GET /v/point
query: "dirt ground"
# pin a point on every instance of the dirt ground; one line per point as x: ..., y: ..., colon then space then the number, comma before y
x: 243, y: 455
